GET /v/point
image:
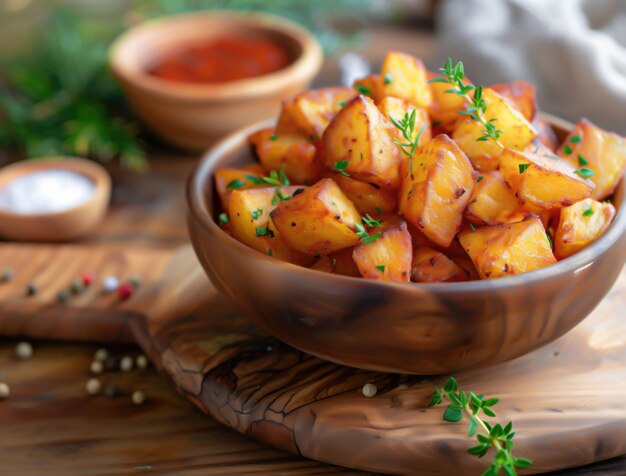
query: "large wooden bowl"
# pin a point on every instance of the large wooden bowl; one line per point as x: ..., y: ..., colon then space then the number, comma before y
x: 192, y: 116
x: 408, y: 328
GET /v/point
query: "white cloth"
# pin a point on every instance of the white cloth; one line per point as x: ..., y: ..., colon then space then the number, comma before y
x: 574, y: 51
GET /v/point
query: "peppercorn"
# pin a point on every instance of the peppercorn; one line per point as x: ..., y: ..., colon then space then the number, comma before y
x: 96, y: 367
x: 93, y: 386
x: 101, y: 355
x: 7, y: 275
x: 24, y: 350
x: 110, y: 284
x: 138, y: 397
x: 4, y: 390
x: 62, y: 296
x: 111, y: 391
x: 31, y: 289
x: 135, y: 280
x: 369, y: 390
x: 88, y: 279
x: 124, y: 291
x: 141, y: 362
x: 77, y: 287
x: 126, y: 364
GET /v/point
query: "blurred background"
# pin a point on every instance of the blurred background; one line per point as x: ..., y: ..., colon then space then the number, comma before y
x: 57, y: 95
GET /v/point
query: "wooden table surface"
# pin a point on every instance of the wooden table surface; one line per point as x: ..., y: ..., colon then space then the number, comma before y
x: 50, y: 426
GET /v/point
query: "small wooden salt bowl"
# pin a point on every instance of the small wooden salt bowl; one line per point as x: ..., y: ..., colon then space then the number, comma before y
x: 59, y: 226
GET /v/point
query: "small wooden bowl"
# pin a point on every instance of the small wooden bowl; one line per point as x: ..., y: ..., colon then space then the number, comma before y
x: 60, y: 226
x: 193, y: 116
x: 436, y: 328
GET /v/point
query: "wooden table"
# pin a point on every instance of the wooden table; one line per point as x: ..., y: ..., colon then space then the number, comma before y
x: 50, y: 426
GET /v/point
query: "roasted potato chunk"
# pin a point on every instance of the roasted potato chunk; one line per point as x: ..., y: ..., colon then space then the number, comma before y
x: 493, y: 202
x: 521, y: 94
x: 367, y: 198
x: 286, y: 122
x: 294, y: 151
x: 432, y: 266
x: 338, y: 263
x: 517, y: 132
x: 249, y: 212
x: 387, y: 258
x: 445, y: 106
x: 227, y: 180
x: 360, y: 142
x: 404, y: 76
x: 603, y: 152
x: 580, y: 225
x: 437, y: 186
x: 512, y: 248
x: 313, y: 110
x: 394, y: 108
x: 319, y: 221
x: 543, y: 181
x: 545, y: 135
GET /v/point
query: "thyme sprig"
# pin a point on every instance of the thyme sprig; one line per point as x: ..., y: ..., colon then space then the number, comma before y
x: 497, y: 437
x: 454, y: 75
x: 407, y: 126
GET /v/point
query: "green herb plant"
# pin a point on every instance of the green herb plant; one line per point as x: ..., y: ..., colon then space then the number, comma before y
x: 407, y: 127
x: 454, y: 75
x: 489, y: 437
x: 62, y: 101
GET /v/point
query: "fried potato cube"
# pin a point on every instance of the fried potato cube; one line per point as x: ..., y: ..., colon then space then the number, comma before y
x: 517, y: 132
x: 319, y: 221
x: 512, y: 248
x: 371, y: 83
x: 286, y: 120
x: 602, y: 152
x: 542, y: 180
x: 338, y: 263
x: 387, y: 258
x: 314, y: 109
x: 404, y: 76
x: 249, y: 211
x: 437, y: 186
x: 360, y: 142
x: 522, y: 95
x: 545, y: 135
x: 444, y: 107
x: 432, y: 266
x: 580, y: 225
x: 229, y: 179
x: 367, y: 198
x: 394, y: 108
x: 293, y: 151
x: 492, y: 202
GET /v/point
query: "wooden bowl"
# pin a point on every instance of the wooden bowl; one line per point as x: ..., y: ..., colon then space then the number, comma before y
x: 437, y: 328
x: 60, y: 226
x: 193, y: 116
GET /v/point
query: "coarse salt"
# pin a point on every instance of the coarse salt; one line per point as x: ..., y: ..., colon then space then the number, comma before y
x: 46, y: 191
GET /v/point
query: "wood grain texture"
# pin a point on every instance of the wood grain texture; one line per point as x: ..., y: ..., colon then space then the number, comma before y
x: 566, y: 399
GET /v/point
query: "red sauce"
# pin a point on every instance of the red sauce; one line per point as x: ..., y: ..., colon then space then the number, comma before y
x: 223, y: 59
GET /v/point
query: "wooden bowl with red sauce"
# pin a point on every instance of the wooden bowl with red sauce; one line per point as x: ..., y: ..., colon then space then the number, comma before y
x: 195, y: 77
x: 417, y: 328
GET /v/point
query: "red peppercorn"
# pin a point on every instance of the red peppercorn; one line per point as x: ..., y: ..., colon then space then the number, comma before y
x: 125, y: 290
x: 88, y: 278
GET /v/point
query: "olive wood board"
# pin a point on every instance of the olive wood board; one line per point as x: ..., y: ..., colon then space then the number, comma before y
x: 566, y: 399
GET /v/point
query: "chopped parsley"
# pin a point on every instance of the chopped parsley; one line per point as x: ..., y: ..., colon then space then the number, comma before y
x: 341, y: 167
x: 588, y: 211
x: 582, y: 161
x: 567, y: 149
x: 369, y: 221
x: 388, y: 79
x: 256, y: 213
x: 549, y: 240
x: 235, y: 184
x: 223, y: 218
x: 472, y: 226
x: 273, y: 137
x: 363, y: 89
x: 575, y: 139
x: 381, y: 268
x: 342, y: 104
x: 480, y: 177
x: 584, y: 172
x: 364, y: 235
x: 523, y: 167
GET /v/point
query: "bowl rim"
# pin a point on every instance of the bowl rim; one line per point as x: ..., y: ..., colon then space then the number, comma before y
x: 93, y: 171
x: 575, y: 263
x: 309, y: 60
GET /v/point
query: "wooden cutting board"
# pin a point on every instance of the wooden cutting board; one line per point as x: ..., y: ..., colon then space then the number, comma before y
x: 566, y: 400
